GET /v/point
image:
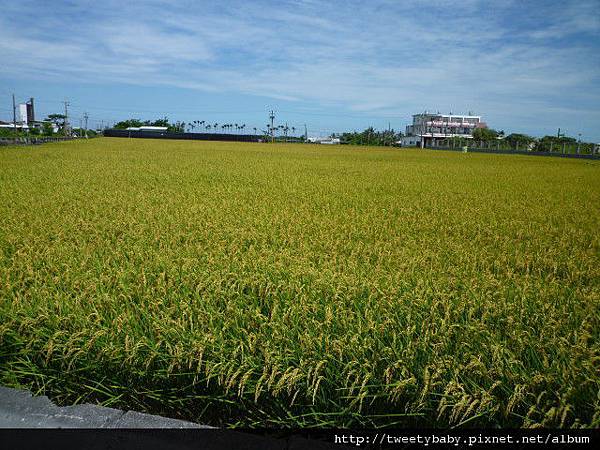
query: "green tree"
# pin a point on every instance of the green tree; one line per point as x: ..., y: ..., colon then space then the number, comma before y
x: 47, y: 129
x: 164, y: 122
x: 554, y: 143
x: 129, y: 123
x: 57, y: 119
x: 7, y: 132
x: 520, y: 140
x: 177, y: 127
x: 370, y: 136
x: 484, y: 134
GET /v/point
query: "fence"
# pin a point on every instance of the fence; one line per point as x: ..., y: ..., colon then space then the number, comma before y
x: 32, y: 140
x: 573, y: 150
x: 188, y: 136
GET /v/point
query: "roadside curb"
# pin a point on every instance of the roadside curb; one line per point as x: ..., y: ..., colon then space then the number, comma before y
x: 20, y: 409
x: 28, y: 422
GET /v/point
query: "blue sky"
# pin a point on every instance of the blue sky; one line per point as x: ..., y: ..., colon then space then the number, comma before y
x: 525, y: 66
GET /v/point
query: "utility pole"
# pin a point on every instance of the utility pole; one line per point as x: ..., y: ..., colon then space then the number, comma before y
x: 305, y: 134
x: 85, y: 117
x: 66, y: 130
x: 272, y: 117
x: 14, y: 115
x: 579, y: 144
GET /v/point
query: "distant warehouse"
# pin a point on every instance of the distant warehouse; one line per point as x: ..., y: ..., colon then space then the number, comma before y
x: 148, y: 128
x: 427, y: 128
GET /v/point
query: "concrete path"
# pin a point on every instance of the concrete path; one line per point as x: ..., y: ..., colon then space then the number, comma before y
x: 19, y: 409
x: 28, y: 422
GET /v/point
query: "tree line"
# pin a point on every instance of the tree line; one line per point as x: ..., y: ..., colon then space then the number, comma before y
x: 370, y: 136
x: 177, y: 127
x: 182, y: 127
x: 526, y: 142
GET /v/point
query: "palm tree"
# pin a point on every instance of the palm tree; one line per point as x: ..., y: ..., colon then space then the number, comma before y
x: 293, y: 130
x: 215, y: 126
x: 254, y: 130
x: 207, y: 127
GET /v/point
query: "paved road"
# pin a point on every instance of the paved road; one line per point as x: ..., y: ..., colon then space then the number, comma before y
x: 19, y: 409
x: 28, y: 422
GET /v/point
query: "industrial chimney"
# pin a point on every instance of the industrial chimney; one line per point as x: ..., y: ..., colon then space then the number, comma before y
x: 30, y: 111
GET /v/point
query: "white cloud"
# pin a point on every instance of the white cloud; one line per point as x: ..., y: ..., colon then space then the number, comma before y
x: 365, y: 57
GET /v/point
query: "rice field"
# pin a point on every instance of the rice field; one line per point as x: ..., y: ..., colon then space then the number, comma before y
x: 257, y: 285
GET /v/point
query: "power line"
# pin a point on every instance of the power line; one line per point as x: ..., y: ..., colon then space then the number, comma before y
x: 134, y: 110
x: 69, y: 107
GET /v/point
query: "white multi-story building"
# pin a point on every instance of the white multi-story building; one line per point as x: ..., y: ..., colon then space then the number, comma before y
x: 427, y: 128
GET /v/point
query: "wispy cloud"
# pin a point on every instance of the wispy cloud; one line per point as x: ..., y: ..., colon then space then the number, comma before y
x: 377, y: 57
